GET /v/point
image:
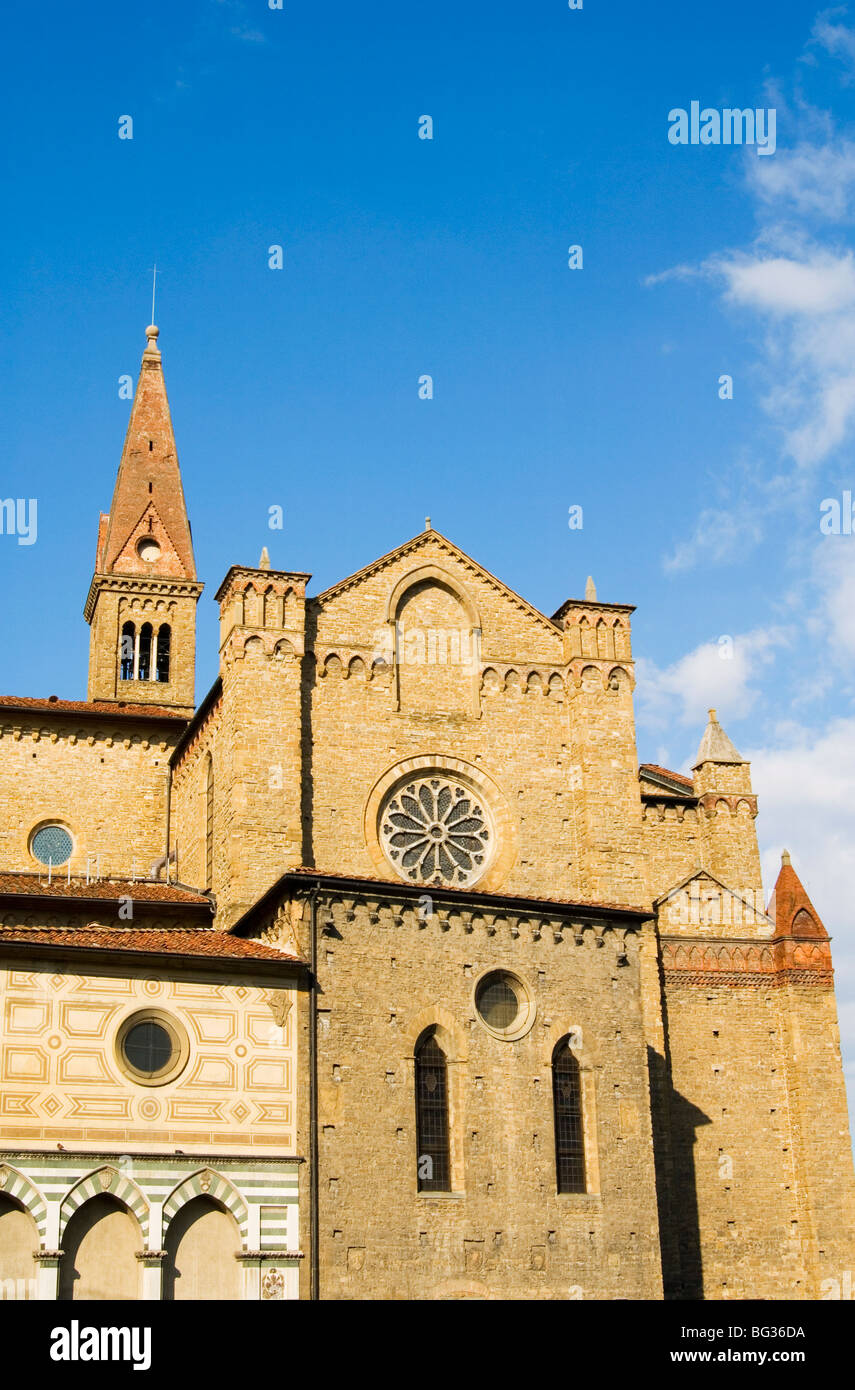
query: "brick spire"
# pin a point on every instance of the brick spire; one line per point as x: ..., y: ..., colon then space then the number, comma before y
x: 790, y: 907
x: 147, y: 531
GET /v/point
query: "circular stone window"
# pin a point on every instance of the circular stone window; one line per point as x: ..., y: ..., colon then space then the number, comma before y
x: 434, y: 829
x: 51, y: 844
x: 151, y: 1048
x: 148, y: 550
x: 504, y: 1005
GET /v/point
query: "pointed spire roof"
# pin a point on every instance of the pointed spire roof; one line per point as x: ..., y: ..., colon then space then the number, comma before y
x: 591, y: 590
x: 147, y: 531
x: 790, y: 907
x: 715, y: 745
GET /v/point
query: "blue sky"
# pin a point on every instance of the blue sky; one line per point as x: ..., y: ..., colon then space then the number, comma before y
x: 403, y: 256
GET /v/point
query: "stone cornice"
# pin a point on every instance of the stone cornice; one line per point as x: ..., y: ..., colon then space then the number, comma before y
x: 179, y: 1161
x: 783, y: 956
x: 139, y: 584
x: 278, y: 579
x: 269, y: 1255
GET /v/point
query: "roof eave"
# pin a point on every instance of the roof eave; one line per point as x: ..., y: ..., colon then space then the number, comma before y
x: 138, y: 956
x: 449, y: 896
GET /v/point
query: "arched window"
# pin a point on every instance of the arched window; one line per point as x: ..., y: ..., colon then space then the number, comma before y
x: 569, y: 1132
x: 164, y: 641
x: 209, y: 824
x: 144, y: 660
x: 126, y: 652
x: 434, y: 1166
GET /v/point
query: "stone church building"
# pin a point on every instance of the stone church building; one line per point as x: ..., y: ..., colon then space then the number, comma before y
x: 386, y: 971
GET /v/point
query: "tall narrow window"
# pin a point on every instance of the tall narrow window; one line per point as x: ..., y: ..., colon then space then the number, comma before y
x: 144, y: 662
x: 569, y: 1132
x: 126, y: 652
x: 434, y: 1166
x: 209, y: 824
x: 164, y: 637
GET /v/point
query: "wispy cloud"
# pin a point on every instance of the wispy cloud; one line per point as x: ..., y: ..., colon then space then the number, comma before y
x: 724, y: 672
x: 720, y: 534
x: 836, y: 39
x: 812, y: 180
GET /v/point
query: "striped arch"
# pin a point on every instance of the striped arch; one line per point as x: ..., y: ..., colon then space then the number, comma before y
x: 14, y: 1184
x: 207, y: 1183
x: 103, y: 1182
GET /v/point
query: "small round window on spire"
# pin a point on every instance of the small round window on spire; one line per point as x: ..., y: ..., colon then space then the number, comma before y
x: 148, y: 550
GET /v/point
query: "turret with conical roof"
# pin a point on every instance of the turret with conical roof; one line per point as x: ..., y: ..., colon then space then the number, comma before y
x: 790, y: 907
x: 718, y: 766
x: 142, y: 601
x: 722, y: 784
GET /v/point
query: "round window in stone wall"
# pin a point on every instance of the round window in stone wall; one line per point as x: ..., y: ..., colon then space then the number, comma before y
x: 434, y: 829
x: 51, y: 844
x: 504, y: 1005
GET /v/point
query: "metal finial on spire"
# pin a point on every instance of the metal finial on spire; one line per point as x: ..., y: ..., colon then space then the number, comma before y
x: 153, y: 290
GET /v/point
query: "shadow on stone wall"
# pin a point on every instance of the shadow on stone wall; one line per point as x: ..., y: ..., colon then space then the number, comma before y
x: 675, y: 1123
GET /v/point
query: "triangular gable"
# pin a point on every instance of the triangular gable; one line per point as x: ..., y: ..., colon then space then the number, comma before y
x: 169, y: 561
x: 421, y: 542
x: 701, y: 902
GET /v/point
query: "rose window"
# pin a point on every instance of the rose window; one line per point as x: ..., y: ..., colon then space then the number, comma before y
x: 435, y: 830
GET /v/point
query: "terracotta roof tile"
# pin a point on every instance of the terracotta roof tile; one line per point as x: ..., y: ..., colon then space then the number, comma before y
x: 664, y: 772
x: 202, y: 942
x: 790, y: 907
x: 108, y: 890
x: 120, y: 709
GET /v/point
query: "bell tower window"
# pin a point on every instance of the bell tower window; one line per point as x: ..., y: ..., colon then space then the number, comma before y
x: 144, y: 657
x: 126, y: 652
x: 164, y: 639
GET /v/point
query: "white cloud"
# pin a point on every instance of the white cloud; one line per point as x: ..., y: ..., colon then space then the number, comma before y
x: 804, y: 787
x: 781, y: 285
x: 812, y: 180
x: 833, y: 618
x: 807, y: 304
x: 720, y: 673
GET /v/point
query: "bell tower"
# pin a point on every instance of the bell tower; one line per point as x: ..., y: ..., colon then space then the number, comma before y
x: 141, y: 606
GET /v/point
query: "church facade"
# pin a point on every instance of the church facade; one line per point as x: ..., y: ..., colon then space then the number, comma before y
x: 386, y: 971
